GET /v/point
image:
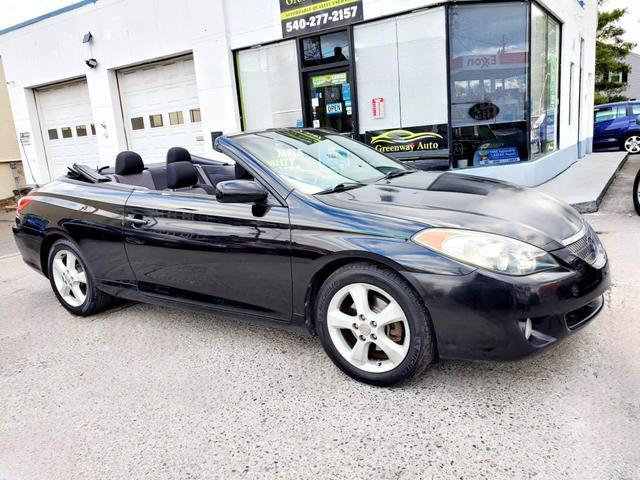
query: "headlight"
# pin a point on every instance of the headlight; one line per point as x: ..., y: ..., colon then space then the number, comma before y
x: 493, y: 252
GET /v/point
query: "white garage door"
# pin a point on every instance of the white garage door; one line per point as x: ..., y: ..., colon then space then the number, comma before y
x: 67, y: 126
x: 160, y: 107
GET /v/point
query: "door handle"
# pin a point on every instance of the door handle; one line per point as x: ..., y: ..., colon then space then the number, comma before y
x: 138, y: 221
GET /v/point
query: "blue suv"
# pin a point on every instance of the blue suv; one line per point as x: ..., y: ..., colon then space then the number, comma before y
x: 617, y: 125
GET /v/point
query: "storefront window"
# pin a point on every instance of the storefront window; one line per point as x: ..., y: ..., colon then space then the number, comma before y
x: 269, y: 86
x: 402, y: 85
x: 545, y: 59
x: 324, y: 49
x: 488, y: 45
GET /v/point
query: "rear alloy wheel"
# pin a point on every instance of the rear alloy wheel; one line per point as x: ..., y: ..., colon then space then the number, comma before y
x: 373, y: 325
x: 72, y: 281
x: 69, y: 277
x: 631, y: 144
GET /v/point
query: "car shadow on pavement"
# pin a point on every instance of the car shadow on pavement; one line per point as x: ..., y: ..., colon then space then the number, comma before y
x: 471, y: 375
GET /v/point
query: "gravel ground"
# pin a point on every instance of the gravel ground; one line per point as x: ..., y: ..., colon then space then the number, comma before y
x: 146, y: 392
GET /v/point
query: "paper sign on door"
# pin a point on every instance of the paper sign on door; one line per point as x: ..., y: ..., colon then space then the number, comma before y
x: 377, y: 107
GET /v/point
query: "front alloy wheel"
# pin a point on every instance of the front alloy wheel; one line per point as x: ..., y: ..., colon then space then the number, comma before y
x: 368, y: 327
x: 632, y: 144
x: 373, y: 324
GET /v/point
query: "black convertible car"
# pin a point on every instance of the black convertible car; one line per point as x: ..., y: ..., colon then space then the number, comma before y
x: 310, y: 230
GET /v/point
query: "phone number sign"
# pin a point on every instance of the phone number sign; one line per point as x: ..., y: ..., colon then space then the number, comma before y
x: 299, y: 17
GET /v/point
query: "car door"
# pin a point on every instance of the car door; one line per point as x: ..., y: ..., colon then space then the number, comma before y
x: 634, y: 116
x: 191, y: 248
x: 610, y: 123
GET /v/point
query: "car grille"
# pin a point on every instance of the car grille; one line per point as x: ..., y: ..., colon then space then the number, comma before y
x: 589, y: 248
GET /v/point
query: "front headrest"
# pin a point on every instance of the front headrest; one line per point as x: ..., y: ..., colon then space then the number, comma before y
x: 178, y: 154
x: 241, y: 173
x: 181, y: 174
x: 128, y: 163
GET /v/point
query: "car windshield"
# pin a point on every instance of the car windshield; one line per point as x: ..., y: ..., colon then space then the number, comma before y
x: 314, y: 161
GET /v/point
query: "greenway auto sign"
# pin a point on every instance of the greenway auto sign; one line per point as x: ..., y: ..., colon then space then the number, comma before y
x: 408, y: 140
x: 303, y: 16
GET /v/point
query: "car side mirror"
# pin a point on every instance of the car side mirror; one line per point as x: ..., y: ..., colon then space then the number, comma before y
x: 240, y: 191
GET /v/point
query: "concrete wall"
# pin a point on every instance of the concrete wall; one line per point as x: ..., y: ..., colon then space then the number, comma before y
x: 633, y: 80
x: 252, y: 22
x: 7, y: 182
x: 125, y: 32
x: 9, y: 150
x: 128, y: 32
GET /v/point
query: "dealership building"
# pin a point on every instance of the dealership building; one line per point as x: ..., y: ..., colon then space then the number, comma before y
x: 500, y: 89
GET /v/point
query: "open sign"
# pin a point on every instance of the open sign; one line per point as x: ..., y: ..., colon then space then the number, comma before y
x: 334, y: 108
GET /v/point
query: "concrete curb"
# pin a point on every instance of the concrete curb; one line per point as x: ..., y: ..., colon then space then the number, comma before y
x: 584, y: 184
x: 594, y: 205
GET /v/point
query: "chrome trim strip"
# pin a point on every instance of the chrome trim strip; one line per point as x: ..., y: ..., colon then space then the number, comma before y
x: 576, y: 237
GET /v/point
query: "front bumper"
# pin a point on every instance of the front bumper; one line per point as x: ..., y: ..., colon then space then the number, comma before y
x: 480, y: 316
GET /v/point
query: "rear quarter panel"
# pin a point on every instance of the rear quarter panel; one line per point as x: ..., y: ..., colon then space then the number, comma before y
x: 89, y: 215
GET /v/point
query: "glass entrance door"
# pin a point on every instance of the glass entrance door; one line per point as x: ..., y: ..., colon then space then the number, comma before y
x: 329, y: 99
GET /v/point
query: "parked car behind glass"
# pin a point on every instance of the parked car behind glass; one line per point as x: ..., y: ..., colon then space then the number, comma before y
x: 617, y: 124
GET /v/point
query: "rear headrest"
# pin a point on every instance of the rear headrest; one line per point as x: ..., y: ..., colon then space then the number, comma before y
x: 181, y: 174
x: 241, y: 173
x: 178, y: 154
x: 128, y: 163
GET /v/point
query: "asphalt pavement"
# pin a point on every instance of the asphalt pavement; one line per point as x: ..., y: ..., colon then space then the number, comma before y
x: 7, y: 245
x: 142, y: 392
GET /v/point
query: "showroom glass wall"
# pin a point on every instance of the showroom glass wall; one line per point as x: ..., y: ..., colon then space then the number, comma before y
x: 545, y: 82
x: 403, y: 60
x: 488, y: 61
x: 489, y: 97
x: 268, y: 86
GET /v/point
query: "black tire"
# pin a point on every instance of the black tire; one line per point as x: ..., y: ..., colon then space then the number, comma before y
x: 636, y: 193
x: 421, y: 350
x: 95, y: 300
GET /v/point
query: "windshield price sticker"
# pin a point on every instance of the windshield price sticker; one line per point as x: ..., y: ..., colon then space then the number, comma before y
x: 302, y: 16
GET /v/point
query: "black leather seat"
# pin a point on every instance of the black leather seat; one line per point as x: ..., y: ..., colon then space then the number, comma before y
x: 183, y: 177
x: 178, y: 154
x: 159, y: 174
x: 219, y: 173
x: 130, y: 170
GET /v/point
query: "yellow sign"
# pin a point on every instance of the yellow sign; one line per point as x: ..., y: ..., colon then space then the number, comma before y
x: 410, y: 140
x: 314, y: 8
x: 319, y: 81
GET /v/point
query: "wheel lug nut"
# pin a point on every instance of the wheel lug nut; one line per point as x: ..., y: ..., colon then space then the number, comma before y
x: 374, y: 336
x: 373, y: 324
x: 362, y: 317
x: 362, y: 338
x: 355, y: 325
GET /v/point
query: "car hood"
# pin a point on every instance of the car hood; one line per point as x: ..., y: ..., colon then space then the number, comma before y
x: 452, y: 200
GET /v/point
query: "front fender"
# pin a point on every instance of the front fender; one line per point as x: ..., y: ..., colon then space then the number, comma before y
x: 401, y: 255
